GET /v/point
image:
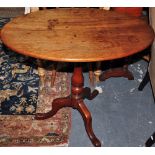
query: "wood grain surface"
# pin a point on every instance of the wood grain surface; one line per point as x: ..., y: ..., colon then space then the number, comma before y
x: 77, y: 35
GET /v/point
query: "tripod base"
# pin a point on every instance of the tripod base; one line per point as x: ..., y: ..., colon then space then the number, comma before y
x: 75, y: 100
x: 117, y: 72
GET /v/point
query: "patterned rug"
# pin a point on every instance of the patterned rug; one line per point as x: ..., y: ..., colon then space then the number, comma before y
x: 19, y: 83
x: 22, y: 95
x: 23, y: 130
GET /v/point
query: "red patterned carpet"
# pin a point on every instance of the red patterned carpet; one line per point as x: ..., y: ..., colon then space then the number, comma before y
x: 23, y: 130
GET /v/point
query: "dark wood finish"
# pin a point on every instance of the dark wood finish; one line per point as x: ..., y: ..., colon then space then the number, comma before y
x: 116, y: 72
x: 91, y: 74
x: 75, y: 100
x: 54, y: 72
x: 91, y: 34
x: 77, y: 35
x: 88, y: 94
x: 134, y: 11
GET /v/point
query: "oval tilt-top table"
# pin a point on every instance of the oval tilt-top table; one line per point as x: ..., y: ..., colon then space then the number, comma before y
x: 76, y: 35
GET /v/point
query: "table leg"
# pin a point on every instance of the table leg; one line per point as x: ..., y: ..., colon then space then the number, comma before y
x: 117, y: 72
x: 91, y: 74
x: 75, y: 100
x: 98, y: 71
x: 87, y: 94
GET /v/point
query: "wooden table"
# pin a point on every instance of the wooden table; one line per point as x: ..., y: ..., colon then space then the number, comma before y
x: 77, y: 35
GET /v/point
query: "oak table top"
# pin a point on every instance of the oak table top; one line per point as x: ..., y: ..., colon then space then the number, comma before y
x: 77, y: 35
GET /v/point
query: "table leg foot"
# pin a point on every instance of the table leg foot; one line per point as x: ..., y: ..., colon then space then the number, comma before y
x: 88, y: 123
x: 88, y: 94
x: 116, y: 72
x: 57, y: 104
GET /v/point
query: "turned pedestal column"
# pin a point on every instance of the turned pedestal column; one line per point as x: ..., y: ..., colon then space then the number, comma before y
x: 75, y: 100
